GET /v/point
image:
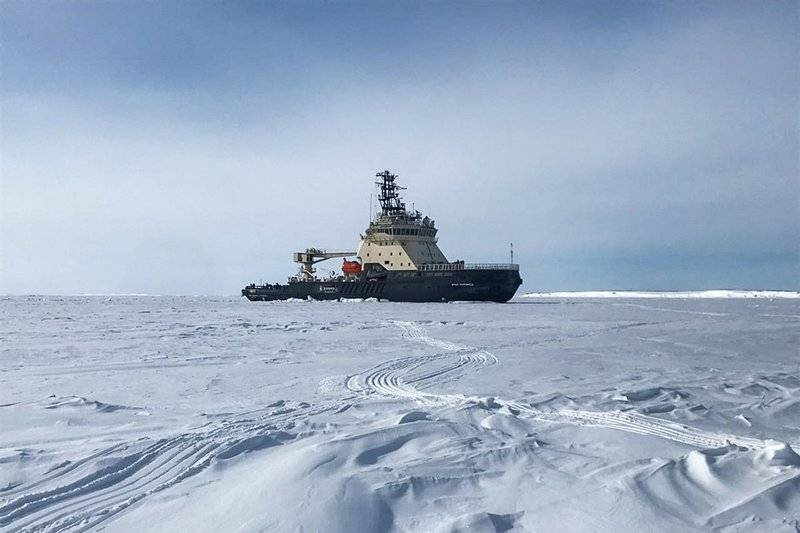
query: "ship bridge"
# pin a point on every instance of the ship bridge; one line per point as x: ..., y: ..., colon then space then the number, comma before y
x: 398, y: 239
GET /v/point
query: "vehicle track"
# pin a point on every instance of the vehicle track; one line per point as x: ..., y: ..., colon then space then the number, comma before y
x: 81, y: 495
x: 407, y: 378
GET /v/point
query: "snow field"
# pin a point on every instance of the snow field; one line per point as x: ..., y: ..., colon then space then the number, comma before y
x: 208, y: 414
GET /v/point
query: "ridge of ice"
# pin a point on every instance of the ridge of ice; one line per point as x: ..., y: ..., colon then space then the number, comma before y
x: 716, y: 293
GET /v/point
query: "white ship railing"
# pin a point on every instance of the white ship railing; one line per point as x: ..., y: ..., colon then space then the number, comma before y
x: 436, y: 267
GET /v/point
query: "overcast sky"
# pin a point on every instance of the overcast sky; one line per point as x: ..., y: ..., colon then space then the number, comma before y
x: 190, y: 147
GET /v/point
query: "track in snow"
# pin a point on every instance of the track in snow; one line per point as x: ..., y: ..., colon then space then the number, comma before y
x: 80, y: 495
x: 407, y: 378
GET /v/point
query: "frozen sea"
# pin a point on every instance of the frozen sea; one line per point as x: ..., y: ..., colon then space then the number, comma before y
x: 544, y: 414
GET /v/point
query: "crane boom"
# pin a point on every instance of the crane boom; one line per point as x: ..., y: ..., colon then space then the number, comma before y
x: 314, y: 255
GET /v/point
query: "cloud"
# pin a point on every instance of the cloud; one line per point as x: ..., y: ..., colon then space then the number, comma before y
x: 192, y: 148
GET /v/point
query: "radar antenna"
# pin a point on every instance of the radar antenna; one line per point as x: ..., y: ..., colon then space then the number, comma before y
x: 391, y: 204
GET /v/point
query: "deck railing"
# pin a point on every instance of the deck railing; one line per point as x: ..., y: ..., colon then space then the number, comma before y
x: 435, y: 267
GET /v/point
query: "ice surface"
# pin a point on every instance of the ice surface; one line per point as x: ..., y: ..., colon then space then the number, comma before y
x: 720, y: 293
x: 570, y: 414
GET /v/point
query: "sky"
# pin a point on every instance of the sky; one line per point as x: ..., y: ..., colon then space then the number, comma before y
x: 191, y: 147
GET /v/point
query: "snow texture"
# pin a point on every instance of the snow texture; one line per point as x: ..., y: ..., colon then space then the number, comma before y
x: 718, y: 293
x: 133, y: 413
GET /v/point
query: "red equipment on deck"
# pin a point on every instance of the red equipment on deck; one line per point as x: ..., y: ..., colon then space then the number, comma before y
x: 351, y: 267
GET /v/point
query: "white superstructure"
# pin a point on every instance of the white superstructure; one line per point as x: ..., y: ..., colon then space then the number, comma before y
x: 397, y: 239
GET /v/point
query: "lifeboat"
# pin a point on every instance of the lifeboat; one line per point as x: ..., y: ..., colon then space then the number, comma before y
x: 351, y: 267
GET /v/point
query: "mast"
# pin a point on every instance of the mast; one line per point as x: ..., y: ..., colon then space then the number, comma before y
x: 390, y: 201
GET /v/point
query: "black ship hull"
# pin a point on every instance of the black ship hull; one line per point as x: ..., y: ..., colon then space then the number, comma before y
x: 489, y: 285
